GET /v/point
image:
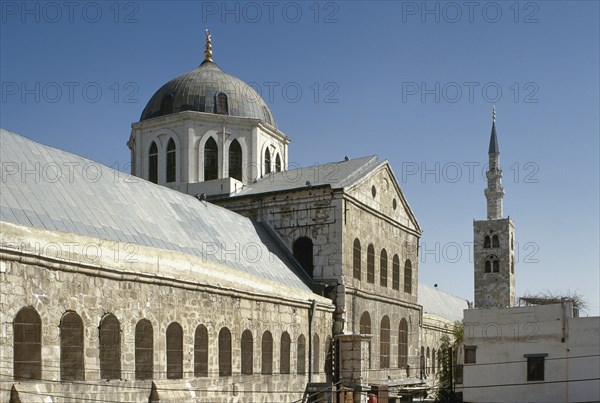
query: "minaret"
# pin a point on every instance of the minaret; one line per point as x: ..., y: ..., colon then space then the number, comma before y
x: 494, y: 240
x: 494, y: 191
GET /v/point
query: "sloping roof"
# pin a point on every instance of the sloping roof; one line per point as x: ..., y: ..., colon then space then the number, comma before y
x: 440, y: 303
x: 338, y: 175
x: 493, y: 148
x: 50, y: 189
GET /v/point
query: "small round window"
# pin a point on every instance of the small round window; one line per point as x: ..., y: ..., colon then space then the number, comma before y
x: 394, y: 204
x: 373, y: 191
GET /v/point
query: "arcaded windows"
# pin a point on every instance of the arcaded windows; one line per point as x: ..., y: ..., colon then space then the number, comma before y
x: 408, y: 276
x: 301, y: 355
x: 144, y: 343
x: 383, y: 271
x: 384, y: 343
x: 316, y: 355
x: 356, y: 258
x: 396, y: 272
x: 535, y: 366
x: 470, y: 354
x: 267, y: 161
x: 365, y: 328
x: 365, y: 323
x: 201, y: 351
x: 110, y: 348
x: 247, y: 347
x: 487, y: 243
x: 166, y: 105
x: 235, y: 160
x: 303, y: 252
x: 433, y: 361
x: 221, y: 104
x: 422, y: 362
x: 370, y: 264
x: 174, y: 351
x: 428, y: 362
x: 277, y: 163
x: 267, y: 353
x: 492, y: 264
x: 153, y: 163
x: 211, y: 164
x: 171, y: 161
x: 27, y: 338
x: 403, y: 343
x: 224, y: 352
x: 284, y: 356
x: 71, y: 348
x: 495, y: 242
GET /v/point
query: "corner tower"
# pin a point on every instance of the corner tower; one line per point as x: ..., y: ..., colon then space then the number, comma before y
x: 206, y: 132
x: 494, y: 240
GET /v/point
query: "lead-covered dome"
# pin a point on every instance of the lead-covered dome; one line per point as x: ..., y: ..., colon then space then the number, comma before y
x: 208, y: 89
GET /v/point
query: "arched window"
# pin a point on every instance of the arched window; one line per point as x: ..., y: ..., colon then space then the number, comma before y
x: 428, y: 362
x: 247, y: 348
x: 492, y: 264
x: 328, y: 357
x: 315, y: 348
x: 27, y: 338
x: 396, y: 272
x: 201, y: 351
x: 495, y: 241
x: 301, y: 355
x: 267, y: 161
x: 153, y: 163
x: 403, y: 343
x: 224, y: 352
x: 71, y: 348
x: 422, y: 362
x: 171, y: 161
x: 211, y: 164
x: 235, y: 160
x: 356, y: 258
x: 277, y: 163
x: 166, y: 105
x: 384, y: 343
x: 365, y: 328
x: 433, y: 361
x: 408, y: 276
x: 383, y: 272
x: 110, y: 348
x: 144, y: 348
x: 174, y: 351
x: 370, y: 264
x: 487, y: 243
x: 267, y: 353
x: 512, y: 266
x: 221, y: 105
x: 284, y: 356
x: 303, y: 252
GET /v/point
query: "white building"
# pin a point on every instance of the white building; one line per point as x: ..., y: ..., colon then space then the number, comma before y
x: 530, y: 354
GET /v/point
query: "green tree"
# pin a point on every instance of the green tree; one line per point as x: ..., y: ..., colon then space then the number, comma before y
x: 445, y: 392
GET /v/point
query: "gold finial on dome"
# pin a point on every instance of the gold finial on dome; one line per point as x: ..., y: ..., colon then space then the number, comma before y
x: 208, y: 49
x: 494, y: 114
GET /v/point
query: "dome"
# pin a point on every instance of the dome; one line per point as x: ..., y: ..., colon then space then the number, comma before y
x: 208, y: 89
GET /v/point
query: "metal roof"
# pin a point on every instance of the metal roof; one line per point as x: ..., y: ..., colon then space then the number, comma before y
x: 47, y: 188
x: 441, y: 303
x: 338, y: 175
x: 197, y: 91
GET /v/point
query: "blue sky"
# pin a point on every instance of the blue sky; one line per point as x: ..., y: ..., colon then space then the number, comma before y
x: 412, y: 82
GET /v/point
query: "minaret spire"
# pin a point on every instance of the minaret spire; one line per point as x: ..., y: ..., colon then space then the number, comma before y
x: 208, y: 48
x: 494, y: 191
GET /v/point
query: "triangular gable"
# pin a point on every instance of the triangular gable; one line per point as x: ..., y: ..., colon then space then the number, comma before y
x: 386, y: 181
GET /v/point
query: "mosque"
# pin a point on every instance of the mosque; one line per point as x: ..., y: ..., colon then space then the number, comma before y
x: 214, y: 273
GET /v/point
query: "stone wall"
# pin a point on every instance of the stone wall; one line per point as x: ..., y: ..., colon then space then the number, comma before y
x: 53, y: 287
